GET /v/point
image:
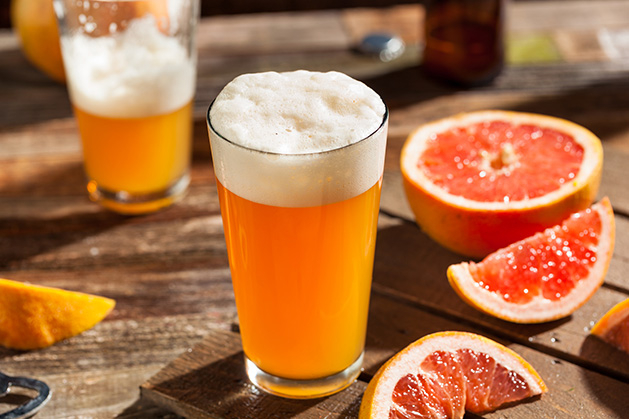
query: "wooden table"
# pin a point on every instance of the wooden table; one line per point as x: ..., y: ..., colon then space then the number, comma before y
x: 169, y: 273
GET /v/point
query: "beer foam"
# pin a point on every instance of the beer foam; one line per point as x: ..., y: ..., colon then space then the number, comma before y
x: 133, y: 73
x: 296, y: 112
x: 288, y: 136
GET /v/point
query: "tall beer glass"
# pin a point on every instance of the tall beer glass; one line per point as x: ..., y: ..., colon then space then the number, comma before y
x: 298, y: 159
x: 131, y: 72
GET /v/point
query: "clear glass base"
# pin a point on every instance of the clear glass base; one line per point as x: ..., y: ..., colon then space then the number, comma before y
x: 303, y: 389
x: 138, y: 203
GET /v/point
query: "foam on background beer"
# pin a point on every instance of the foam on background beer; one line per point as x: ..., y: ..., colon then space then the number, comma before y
x: 133, y: 73
x: 302, y: 122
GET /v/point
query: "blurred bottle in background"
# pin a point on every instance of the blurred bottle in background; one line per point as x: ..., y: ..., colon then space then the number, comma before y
x: 464, y: 40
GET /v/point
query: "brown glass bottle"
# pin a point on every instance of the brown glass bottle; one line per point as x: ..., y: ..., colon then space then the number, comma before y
x: 464, y: 40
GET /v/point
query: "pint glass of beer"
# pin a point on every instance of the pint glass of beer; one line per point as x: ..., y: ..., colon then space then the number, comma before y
x: 131, y: 71
x: 298, y: 159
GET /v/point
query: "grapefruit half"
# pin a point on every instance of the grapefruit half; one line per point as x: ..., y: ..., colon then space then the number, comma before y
x: 546, y: 276
x: 480, y: 181
x: 613, y: 327
x: 444, y: 374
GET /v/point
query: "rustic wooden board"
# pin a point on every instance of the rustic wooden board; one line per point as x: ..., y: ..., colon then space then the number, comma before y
x: 209, y: 380
x: 169, y: 273
x: 96, y: 374
x: 576, y: 15
x: 188, y: 238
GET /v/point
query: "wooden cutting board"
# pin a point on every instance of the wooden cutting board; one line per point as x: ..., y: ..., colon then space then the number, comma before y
x: 209, y: 381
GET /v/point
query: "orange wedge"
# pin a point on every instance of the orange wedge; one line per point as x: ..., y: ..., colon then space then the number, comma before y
x: 35, y: 24
x: 33, y: 317
x: 445, y: 374
x: 613, y: 327
x: 546, y: 276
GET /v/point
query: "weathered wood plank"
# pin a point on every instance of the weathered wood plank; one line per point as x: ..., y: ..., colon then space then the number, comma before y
x: 253, y: 6
x: 98, y: 373
x: 602, y: 108
x: 577, y: 15
x: 155, y: 340
x: 147, y: 290
x: 209, y: 381
x: 404, y: 21
x: 615, y: 183
x: 44, y: 158
x: 97, y: 238
x: 272, y: 33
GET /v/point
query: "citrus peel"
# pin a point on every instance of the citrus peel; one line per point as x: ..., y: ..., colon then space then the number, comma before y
x: 34, y: 317
x: 613, y: 327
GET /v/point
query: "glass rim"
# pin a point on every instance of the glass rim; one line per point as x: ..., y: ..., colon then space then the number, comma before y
x: 385, y: 118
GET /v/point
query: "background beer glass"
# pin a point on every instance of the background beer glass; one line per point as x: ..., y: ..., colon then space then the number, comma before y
x: 300, y: 224
x: 131, y: 72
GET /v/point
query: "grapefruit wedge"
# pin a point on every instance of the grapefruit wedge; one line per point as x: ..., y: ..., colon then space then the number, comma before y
x: 447, y: 373
x: 34, y: 317
x: 613, y: 327
x: 480, y: 181
x: 546, y: 276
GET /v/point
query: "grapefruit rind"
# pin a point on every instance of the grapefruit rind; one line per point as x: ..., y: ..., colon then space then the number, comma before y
x: 540, y: 310
x: 377, y: 399
x: 475, y: 228
x: 613, y: 317
x: 35, y: 317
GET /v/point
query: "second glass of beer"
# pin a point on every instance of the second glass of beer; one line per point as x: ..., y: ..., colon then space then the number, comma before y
x: 131, y: 71
x: 298, y: 159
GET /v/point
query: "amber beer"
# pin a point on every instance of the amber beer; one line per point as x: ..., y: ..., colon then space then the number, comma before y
x: 309, y: 316
x: 130, y: 68
x: 300, y: 223
x: 464, y: 40
x: 138, y: 155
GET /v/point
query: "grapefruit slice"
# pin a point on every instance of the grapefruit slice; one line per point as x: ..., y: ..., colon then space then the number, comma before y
x: 480, y: 181
x: 34, y: 317
x: 613, y: 327
x: 447, y: 373
x: 546, y: 276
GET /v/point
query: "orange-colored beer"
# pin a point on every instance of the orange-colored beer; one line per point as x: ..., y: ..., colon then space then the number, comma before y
x: 136, y: 155
x: 302, y: 279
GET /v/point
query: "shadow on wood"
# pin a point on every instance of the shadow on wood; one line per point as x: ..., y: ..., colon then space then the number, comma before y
x: 602, y: 353
x: 38, y: 236
x: 210, y: 381
x: 614, y: 400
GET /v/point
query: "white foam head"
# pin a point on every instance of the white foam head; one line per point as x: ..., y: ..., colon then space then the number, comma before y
x: 299, y: 138
x: 136, y: 72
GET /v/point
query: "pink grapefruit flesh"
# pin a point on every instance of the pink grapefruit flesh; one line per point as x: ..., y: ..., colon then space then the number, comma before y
x: 546, y: 276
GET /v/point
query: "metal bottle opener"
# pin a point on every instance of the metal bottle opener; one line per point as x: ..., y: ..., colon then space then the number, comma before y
x: 31, y: 407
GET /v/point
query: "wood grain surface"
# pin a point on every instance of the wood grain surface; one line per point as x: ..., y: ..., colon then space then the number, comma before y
x: 171, y: 346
